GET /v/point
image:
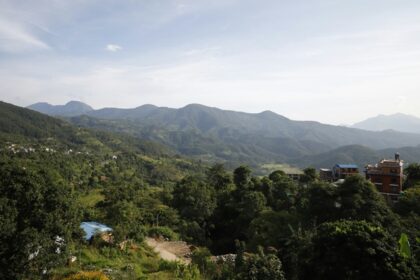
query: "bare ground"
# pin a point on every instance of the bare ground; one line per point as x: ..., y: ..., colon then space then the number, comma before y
x: 170, y: 250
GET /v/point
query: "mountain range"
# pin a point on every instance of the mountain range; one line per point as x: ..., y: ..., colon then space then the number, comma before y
x: 212, y: 134
x: 72, y: 108
x: 397, y: 122
x: 360, y: 155
x: 22, y: 129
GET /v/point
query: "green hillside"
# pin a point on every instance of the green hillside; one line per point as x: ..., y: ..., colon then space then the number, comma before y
x: 360, y: 155
x: 48, y: 165
x: 26, y: 128
x: 215, y: 135
x: 55, y: 175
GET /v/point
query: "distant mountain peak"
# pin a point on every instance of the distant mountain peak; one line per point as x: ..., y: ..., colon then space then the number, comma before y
x: 196, y: 106
x: 71, y: 108
x: 75, y: 102
x: 147, y: 106
x: 397, y: 122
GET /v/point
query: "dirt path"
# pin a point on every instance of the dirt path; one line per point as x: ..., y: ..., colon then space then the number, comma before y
x: 170, y: 250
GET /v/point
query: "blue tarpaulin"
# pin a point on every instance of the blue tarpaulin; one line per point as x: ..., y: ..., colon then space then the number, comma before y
x: 90, y: 228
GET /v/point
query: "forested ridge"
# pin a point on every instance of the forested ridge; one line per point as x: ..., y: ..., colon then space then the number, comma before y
x: 55, y: 175
x: 234, y: 138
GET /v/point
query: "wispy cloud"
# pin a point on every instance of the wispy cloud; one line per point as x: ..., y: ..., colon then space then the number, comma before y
x: 240, y: 55
x: 15, y: 38
x: 113, y: 48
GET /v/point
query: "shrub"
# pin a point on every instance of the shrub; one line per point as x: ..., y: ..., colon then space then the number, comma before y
x: 165, y: 232
x: 87, y: 275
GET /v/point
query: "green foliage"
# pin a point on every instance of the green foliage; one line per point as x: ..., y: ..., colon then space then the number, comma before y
x: 201, y: 258
x: 38, y: 220
x: 412, y: 172
x: 355, y: 250
x: 165, y: 232
x: 219, y: 178
x: 355, y: 199
x: 360, y: 201
x: 409, y: 202
x: 242, y: 177
x: 194, y: 200
x: 271, y: 229
x: 139, y: 262
x: 405, y: 250
x: 281, y: 193
x: 311, y: 229
x: 309, y: 175
x: 319, y: 203
x: 187, y: 272
x: 215, y: 135
x: 258, y: 266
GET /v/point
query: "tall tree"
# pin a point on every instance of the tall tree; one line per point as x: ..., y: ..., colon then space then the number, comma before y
x: 356, y: 250
x: 37, y: 221
x: 409, y: 202
x: 242, y: 177
x: 219, y: 178
x: 195, y: 202
x: 359, y: 200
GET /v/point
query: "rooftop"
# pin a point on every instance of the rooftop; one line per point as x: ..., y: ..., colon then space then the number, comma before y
x: 346, y: 165
x: 391, y: 162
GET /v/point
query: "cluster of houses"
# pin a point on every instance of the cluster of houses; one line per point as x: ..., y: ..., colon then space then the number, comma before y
x: 387, y: 175
x: 18, y: 149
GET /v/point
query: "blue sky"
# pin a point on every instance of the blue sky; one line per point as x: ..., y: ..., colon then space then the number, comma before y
x: 328, y: 60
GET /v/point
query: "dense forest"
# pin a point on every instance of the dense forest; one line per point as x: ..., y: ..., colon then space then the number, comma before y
x: 241, y: 226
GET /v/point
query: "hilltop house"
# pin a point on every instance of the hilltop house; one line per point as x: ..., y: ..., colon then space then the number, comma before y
x: 338, y: 172
x: 388, y: 176
x: 342, y: 171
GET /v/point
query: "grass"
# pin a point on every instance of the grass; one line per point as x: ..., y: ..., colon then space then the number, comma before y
x: 135, y: 263
x: 91, y: 198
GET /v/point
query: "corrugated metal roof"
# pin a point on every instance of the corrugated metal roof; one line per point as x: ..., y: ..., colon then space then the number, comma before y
x: 346, y: 165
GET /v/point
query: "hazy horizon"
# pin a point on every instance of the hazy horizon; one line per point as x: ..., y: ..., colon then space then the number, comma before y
x: 327, y: 61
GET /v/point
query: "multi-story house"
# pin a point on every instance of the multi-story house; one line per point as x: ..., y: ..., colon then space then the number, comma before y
x: 388, y: 176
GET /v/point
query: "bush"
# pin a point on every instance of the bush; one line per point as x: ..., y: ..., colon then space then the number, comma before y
x: 201, y: 258
x: 165, y: 232
x: 167, y: 265
x: 87, y: 275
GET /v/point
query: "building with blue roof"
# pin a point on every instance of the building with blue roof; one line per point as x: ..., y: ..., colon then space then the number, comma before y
x: 347, y: 166
x: 342, y: 171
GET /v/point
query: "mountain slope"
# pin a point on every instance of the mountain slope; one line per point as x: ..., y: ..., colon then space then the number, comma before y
x: 72, y: 108
x: 360, y: 155
x: 397, y: 122
x: 21, y: 129
x: 213, y: 134
x: 225, y: 124
x: 18, y: 123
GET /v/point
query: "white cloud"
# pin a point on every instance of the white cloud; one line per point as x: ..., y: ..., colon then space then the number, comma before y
x: 113, y: 48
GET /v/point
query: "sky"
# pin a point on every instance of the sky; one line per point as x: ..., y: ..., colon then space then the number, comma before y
x: 333, y: 61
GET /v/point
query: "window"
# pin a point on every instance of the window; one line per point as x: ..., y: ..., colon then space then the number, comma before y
x: 394, y: 181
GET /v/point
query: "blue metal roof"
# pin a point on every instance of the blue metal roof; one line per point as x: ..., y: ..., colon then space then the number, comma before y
x: 346, y: 165
x: 91, y: 228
